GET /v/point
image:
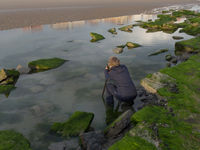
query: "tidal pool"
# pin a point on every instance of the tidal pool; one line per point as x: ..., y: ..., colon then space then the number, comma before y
x: 46, y: 97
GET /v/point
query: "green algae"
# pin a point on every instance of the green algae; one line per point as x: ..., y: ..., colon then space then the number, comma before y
x: 113, y: 31
x: 164, y: 23
x: 6, y: 89
x: 132, y: 143
x: 79, y: 122
x: 45, y: 64
x: 158, y: 52
x: 184, y: 13
x: 127, y: 28
x: 96, y: 37
x: 11, y: 140
x: 188, y: 46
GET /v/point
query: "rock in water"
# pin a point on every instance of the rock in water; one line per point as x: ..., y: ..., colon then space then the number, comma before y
x: 132, y: 45
x: 118, y: 50
x: 156, y: 81
x: 45, y: 64
x: 11, y: 140
x: 22, y: 70
x: 93, y: 140
x: 113, y: 31
x: 78, y: 123
x: 188, y: 46
x: 127, y: 28
x: 119, y: 124
x: 96, y: 37
x: 168, y: 57
x: 177, y: 37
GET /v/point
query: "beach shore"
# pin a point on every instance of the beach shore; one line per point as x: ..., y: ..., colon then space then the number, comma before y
x: 33, y: 16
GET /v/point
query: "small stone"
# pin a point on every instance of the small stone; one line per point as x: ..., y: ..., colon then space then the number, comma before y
x: 177, y: 37
x: 118, y: 50
x: 168, y: 57
x: 22, y: 70
x: 168, y: 64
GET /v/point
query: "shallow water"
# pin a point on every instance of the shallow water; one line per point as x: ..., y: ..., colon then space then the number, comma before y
x: 46, y: 97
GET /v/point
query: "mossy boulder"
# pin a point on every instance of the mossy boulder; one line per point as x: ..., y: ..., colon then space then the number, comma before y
x: 131, y: 45
x: 127, y: 28
x: 188, y: 46
x: 153, y: 82
x: 132, y: 143
x: 112, y: 30
x: 11, y: 140
x: 96, y: 37
x: 159, y: 52
x: 168, y: 57
x: 119, y: 124
x: 8, y: 78
x: 45, y: 64
x: 78, y: 123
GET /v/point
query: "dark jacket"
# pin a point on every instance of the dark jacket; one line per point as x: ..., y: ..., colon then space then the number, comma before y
x: 120, y: 77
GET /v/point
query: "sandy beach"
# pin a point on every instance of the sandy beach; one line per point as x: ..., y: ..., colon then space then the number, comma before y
x: 16, y: 16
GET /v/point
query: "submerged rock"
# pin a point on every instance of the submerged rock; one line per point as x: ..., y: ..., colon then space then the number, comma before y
x: 132, y: 45
x: 93, y: 140
x: 78, y: 123
x: 118, y: 50
x: 113, y: 31
x: 96, y: 37
x: 156, y: 81
x: 22, y: 70
x: 3, y: 75
x: 119, y: 124
x: 45, y: 64
x: 159, y: 52
x: 11, y: 140
x: 177, y: 37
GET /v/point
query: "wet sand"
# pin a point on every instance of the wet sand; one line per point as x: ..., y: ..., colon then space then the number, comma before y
x: 16, y: 18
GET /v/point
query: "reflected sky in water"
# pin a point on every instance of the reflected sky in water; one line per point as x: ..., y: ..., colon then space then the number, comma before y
x: 50, y: 96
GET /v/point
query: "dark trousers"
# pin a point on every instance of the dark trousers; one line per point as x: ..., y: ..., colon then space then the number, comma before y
x: 111, y: 92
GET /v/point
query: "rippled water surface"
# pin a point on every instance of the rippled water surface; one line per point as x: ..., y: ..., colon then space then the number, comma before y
x: 46, y: 97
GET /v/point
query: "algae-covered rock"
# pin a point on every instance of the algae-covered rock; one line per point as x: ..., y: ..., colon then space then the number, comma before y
x: 177, y: 37
x: 79, y: 122
x: 188, y: 46
x: 118, y: 50
x: 132, y: 45
x: 96, y: 37
x: 8, y: 80
x: 159, y: 52
x: 113, y: 31
x: 132, y: 143
x: 45, y: 64
x: 119, y: 124
x: 127, y: 28
x: 168, y: 57
x: 11, y: 140
x: 22, y: 70
x: 156, y: 81
x: 184, y: 13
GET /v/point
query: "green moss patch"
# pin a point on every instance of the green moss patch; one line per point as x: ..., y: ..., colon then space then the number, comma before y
x: 132, y: 143
x: 185, y: 13
x: 11, y: 140
x: 159, y: 52
x: 96, y: 37
x: 188, y: 46
x: 164, y: 23
x: 45, y: 64
x: 79, y: 122
x: 6, y: 89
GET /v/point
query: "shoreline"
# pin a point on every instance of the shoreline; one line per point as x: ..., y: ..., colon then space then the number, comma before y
x: 42, y: 16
